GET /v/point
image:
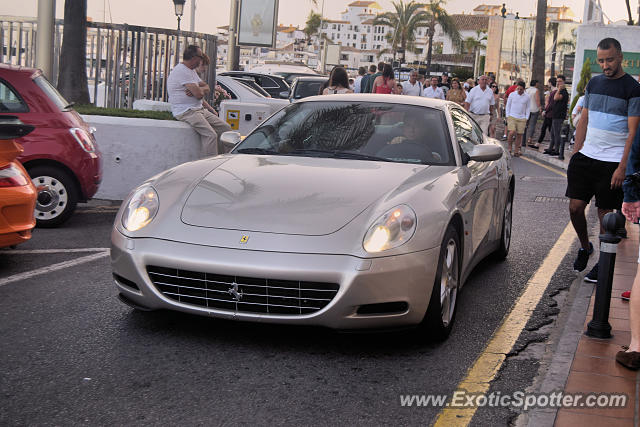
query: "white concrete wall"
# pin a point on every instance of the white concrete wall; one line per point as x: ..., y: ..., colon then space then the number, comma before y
x: 136, y: 149
x: 589, y: 35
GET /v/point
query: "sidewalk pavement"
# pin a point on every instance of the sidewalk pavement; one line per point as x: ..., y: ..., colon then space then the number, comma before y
x: 594, y: 368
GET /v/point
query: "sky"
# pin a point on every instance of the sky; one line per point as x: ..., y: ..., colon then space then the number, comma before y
x: 211, y: 14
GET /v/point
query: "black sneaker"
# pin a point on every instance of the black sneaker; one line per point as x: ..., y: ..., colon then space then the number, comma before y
x: 583, y: 257
x: 592, y: 276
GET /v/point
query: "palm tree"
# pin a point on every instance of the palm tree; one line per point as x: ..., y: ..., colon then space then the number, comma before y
x: 404, y: 22
x: 568, y: 45
x: 471, y: 44
x: 552, y: 29
x: 72, y: 80
x: 314, y: 20
x: 438, y: 15
x: 537, y: 67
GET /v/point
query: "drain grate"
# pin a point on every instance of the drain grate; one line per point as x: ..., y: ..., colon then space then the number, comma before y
x: 547, y: 199
x: 543, y: 178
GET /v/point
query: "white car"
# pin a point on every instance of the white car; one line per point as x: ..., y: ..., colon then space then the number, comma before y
x: 247, y: 108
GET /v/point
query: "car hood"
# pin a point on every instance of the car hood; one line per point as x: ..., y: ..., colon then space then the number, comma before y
x: 290, y: 195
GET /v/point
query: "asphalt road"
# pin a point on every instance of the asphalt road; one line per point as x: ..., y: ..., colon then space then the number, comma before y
x: 73, y: 354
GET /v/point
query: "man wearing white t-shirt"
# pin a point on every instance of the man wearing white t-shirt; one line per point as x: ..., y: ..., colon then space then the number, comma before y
x: 186, y: 92
x: 480, y: 103
x: 517, y: 112
x: 433, y: 91
x: 412, y: 86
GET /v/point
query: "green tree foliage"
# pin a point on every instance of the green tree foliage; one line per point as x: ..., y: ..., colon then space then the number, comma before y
x: 585, y: 76
x: 403, y: 24
x: 313, y: 24
x: 462, y: 73
x: 438, y: 15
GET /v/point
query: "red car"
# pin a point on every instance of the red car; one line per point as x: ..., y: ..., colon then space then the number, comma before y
x: 61, y: 154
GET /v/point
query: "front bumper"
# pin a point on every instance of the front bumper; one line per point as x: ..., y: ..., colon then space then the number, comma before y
x: 404, y: 278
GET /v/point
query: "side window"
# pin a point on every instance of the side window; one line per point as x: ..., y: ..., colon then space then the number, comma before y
x: 477, y: 130
x: 233, y: 95
x: 463, y: 127
x: 268, y: 83
x: 10, y: 101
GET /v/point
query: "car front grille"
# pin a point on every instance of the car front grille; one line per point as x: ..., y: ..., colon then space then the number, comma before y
x: 242, y: 294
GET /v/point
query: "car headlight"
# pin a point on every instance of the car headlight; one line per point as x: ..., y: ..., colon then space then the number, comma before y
x: 141, y: 208
x: 391, y: 230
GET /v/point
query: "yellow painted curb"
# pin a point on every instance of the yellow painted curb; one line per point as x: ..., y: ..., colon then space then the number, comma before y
x: 490, y: 361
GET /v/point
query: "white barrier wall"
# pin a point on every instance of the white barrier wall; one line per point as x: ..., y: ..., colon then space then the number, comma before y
x: 589, y: 35
x: 136, y: 149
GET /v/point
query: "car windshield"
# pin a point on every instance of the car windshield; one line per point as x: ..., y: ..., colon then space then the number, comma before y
x: 305, y: 88
x: 52, y: 93
x: 354, y: 130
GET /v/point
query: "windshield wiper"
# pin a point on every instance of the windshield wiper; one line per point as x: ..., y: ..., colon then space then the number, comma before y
x: 340, y: 154
x: 256, y: 150
x: 70, y: 105
x: 359, y: 156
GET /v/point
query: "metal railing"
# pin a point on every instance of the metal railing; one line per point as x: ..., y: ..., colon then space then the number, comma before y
x: 124, y: 62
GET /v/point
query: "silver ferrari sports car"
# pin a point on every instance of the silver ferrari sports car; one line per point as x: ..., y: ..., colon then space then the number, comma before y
x: 344, y: 211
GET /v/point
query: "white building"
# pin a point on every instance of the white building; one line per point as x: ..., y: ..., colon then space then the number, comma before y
x: 362, y: 42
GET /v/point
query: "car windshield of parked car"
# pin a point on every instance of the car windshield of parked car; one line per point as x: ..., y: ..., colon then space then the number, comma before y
x: 52, y: 93
x: 305, y: 88
x: 355, y: 130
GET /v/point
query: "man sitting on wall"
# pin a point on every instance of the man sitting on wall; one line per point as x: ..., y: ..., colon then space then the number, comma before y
x: 186, y: 92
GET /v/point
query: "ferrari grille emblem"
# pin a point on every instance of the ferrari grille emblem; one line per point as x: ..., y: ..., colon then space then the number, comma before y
x: 233, y: 290
x: 244, y: 239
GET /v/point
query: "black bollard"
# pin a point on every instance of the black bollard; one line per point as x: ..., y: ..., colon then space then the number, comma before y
x: 599, y: 326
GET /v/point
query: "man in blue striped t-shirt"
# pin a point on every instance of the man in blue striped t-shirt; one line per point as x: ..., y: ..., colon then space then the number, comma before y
x: 604, y: 136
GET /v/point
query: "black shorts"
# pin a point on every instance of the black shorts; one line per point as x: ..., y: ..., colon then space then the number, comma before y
x: 587, y: 177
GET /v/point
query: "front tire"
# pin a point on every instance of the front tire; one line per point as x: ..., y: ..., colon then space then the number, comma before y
x: 57, y: 195
x: 444, y: 297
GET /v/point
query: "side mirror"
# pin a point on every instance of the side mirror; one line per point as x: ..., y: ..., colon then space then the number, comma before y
x: 486, y: 153
x: 284, y: 94
x: 230, y: 138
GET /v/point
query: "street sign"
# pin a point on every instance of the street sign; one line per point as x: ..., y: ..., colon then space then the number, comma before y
x: 630, y: 63
x: 257, y: 23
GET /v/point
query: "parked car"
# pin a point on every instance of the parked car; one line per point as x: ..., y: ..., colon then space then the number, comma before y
x: 288, y: 71
x: 247, y: 108
x: 17, y: 192
x: 274, y: 85
x: 289, y: 77
x: 345, y: 211
x: 305, y: 86
x: 253, y: 85
x: 61, y: 154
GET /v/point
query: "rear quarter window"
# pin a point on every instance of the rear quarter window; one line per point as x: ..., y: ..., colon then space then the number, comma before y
x: 52, y: 93
x: 10, y: 100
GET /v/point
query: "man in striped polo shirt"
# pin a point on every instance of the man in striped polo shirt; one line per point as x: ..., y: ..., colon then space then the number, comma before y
x: 604, y: 136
